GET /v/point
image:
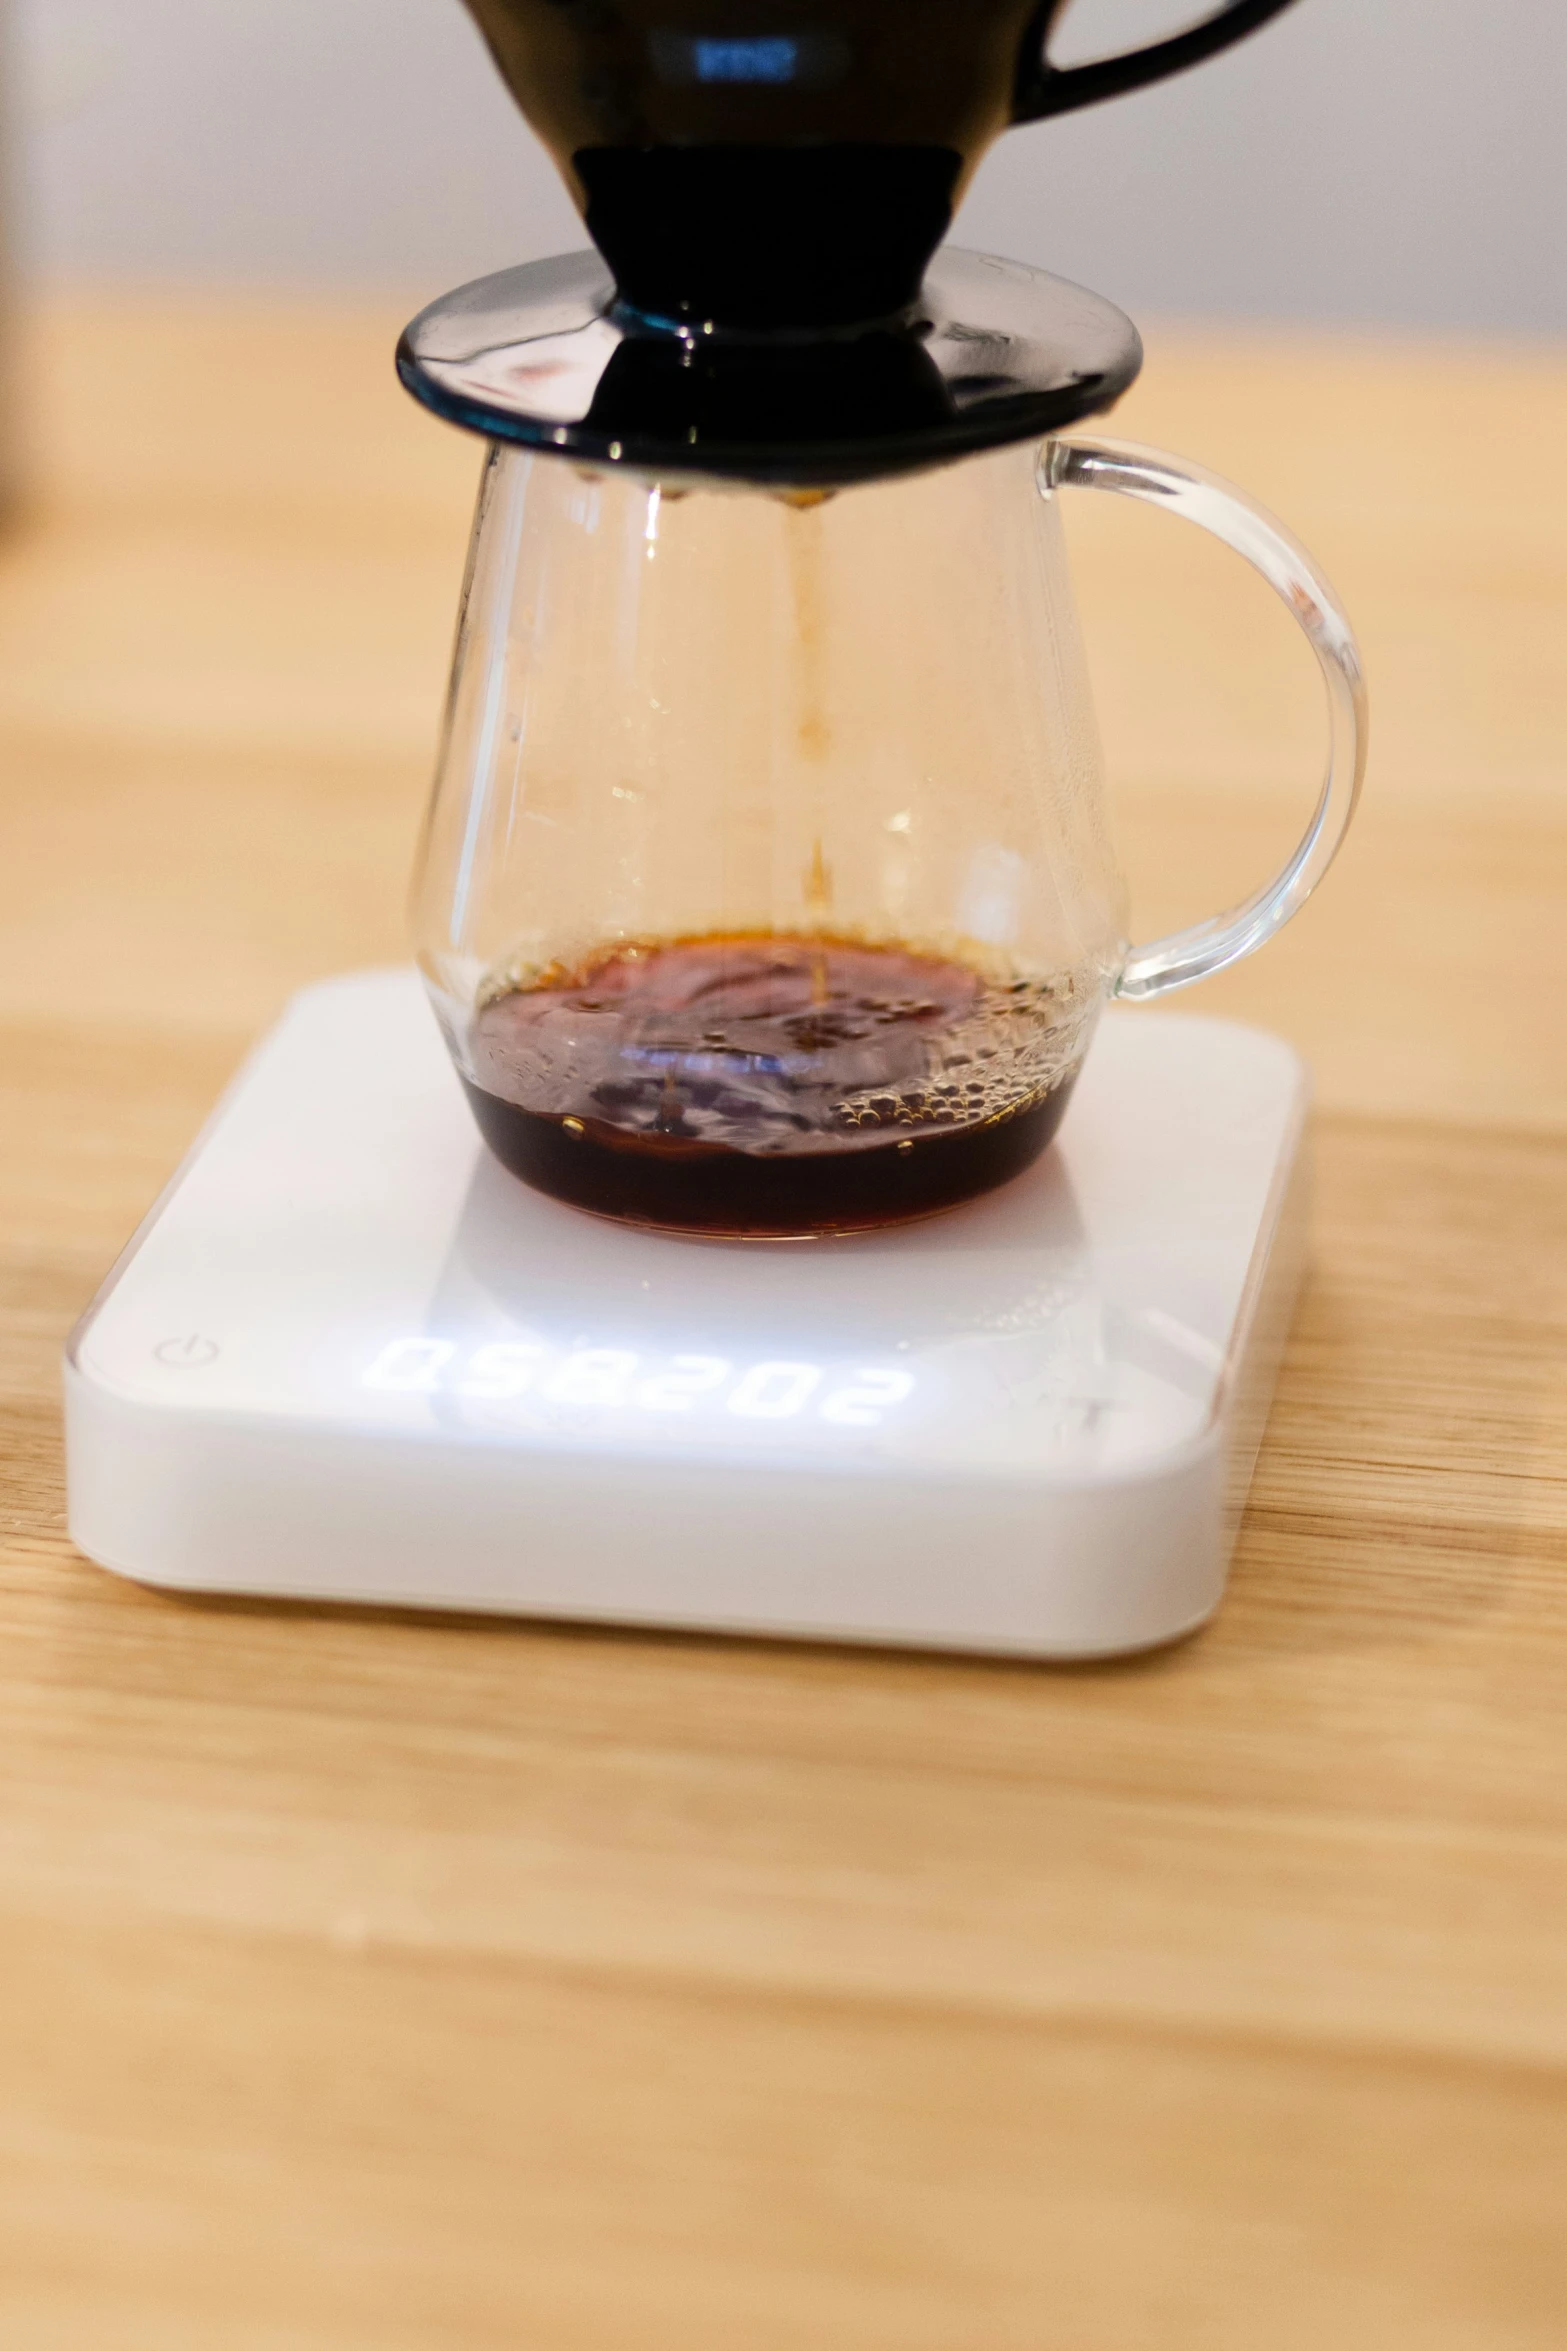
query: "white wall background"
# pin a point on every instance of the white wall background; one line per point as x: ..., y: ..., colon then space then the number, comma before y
x: 1402, y: 161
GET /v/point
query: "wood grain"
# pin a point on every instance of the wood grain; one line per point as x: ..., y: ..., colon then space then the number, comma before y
x: 377, y: 1982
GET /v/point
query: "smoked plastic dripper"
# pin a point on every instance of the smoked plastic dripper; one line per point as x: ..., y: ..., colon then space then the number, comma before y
x: 739, y: 163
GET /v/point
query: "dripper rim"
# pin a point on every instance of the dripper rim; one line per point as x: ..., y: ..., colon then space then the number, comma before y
x: 548, y: 357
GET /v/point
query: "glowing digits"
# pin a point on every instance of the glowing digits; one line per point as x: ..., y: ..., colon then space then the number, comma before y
x: 688, y: 1377
x: 604, y: 1376
x: 863, y: 1405
x: 594, y: 1375
x: 505, y: 1368
x: 775, y: 1391
x: 413, y: 1367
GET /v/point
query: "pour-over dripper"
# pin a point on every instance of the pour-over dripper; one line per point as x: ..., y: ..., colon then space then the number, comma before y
x: 992, y: 353
x: 754, y: 165
x: 767, y: 194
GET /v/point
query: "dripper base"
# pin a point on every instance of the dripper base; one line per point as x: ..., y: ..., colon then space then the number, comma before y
x: 991, y: 353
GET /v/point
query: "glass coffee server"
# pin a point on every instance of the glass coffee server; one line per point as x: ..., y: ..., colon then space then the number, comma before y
x: 766, y: 888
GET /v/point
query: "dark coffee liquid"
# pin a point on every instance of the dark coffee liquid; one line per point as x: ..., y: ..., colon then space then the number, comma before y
x: 756, y: 1086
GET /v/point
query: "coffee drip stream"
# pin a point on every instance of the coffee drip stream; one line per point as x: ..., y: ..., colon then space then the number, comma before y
x: 767, y: 888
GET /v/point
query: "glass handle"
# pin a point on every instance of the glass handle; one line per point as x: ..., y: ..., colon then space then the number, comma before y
x: 1207, y: 947
x: 1044, y: 88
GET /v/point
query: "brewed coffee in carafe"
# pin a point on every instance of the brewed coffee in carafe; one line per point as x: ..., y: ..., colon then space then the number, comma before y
x: 784, y: 1026
x: 767, y: 889
x: 756, y: 1087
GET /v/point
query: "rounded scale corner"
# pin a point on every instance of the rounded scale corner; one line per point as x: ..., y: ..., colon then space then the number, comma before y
x: 98, y: 1555
x: 72, y: 1365
x: 1171, y: 1638
x: 90, y: 1386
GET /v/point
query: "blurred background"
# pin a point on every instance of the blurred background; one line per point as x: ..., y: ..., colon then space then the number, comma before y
x: 1390, y: 162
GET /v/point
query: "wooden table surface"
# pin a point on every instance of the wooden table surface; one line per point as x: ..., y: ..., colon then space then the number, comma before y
x: 370, y: 1982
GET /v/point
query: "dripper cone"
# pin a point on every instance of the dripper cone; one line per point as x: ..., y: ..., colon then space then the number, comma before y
x: 750, y: 164
x: 747, y: 170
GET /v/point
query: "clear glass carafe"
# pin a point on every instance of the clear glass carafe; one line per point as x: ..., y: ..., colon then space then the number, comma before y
x: 767, y: 888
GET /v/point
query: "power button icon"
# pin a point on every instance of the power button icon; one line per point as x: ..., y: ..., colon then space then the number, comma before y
x: 187, y: 1353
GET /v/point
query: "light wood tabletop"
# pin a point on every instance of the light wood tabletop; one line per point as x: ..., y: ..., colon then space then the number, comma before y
x: 377, y: 1983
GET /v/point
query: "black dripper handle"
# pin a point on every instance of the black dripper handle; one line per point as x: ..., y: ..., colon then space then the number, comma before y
x: 1044, y: 88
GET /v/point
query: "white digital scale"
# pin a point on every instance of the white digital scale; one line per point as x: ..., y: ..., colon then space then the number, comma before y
x: 349, y: 1358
